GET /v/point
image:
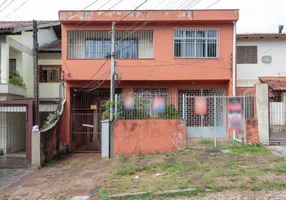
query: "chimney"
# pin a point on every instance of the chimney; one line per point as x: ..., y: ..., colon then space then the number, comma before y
x: 280, y: 28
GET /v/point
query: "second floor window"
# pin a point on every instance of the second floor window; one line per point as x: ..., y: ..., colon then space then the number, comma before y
x: 247, y: 54
x: 97, y: 44
x: 196, y: 43
x: 50, y: 74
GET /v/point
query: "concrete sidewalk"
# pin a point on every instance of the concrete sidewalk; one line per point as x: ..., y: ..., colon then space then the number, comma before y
x: 278, y: 150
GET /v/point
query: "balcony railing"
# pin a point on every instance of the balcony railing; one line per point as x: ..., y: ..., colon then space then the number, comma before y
x: 97, y: 44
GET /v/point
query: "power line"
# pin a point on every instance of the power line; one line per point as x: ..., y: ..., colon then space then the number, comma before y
x: 15, y: 10
x: 174, y: 64
x: 99, y: 69
x: 131, y: 11
x: 212, y: 4
x: 95, y: 75
x: 158, y: 24
x: 90, y: 4
x: 7, y: 5
x: 97, y: 10
x: 88, y: 22
x: 98, y: 82
x: 3, y: 3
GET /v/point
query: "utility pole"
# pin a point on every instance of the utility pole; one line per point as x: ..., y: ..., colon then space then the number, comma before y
x: 112, y: 70
x: 36, y: 75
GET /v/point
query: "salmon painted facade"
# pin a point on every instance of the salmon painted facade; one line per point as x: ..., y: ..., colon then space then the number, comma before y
x: 174, y: 51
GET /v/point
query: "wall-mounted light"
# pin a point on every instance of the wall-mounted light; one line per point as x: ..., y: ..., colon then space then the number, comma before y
x: 266, y: 59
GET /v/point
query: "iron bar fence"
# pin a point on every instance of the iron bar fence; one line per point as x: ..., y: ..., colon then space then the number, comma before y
x: 162, y: 105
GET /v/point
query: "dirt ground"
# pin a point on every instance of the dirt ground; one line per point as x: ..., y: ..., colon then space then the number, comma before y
x: 255, y: 175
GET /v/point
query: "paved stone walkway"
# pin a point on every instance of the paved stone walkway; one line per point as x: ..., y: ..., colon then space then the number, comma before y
x: 278, y: 150
x: 12, y: 168
x: 9, y: 176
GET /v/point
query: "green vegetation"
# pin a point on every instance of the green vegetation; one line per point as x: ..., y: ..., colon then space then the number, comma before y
x: 170, y: 113
x: 141, y: 110
x: 48, y: 164
x: 17, y: 80
x: 279, y: 169
x: 245, y: 167
x: 249, y: 149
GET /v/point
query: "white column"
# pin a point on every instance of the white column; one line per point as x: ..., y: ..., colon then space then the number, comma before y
x: 36, y: 148
x: 262, y: 112
x: 4, y: 63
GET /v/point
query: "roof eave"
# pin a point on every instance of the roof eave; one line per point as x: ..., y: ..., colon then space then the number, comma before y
x: 50, y: 50
x: 29, y: 28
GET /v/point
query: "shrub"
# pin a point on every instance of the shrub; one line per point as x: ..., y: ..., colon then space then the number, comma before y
x: 170, y: 113
x: 17, y: 80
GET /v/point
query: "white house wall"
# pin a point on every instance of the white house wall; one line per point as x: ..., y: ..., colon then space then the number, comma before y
x: 45, y: 36
x: 49, y: 90
x: 3, y: 131
x: 248, y: 74
x: 28, y: 74
x: 14, y: 54
x: 50, y: 59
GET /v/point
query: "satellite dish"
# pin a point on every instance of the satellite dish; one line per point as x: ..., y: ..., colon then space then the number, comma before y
x: 267, y: 59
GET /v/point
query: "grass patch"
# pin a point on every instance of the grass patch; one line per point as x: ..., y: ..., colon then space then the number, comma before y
x: 253, y: 169
x: 277, y: 169
x: 249, y: 149
x: 149, y: 195
x: 127, y: 170
x: 49, y: 164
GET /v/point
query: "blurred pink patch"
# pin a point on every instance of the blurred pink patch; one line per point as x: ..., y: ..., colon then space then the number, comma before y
x: 159, y: 104
x: 129, y: 103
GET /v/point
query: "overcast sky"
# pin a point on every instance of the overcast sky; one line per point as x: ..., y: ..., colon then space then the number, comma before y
x: 255, y: 15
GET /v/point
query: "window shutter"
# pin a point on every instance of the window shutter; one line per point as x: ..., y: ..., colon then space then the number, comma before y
x: 247, y: 55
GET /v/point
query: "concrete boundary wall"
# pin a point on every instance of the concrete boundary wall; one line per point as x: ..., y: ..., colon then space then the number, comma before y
x: 148, y: 136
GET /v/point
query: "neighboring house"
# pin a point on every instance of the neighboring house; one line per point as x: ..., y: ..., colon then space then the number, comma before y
x: 261, y: 59
x: 17, y: 78
x: 172, y: 52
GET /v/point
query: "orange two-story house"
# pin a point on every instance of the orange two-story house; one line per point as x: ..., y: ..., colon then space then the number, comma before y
x: 171, y: 51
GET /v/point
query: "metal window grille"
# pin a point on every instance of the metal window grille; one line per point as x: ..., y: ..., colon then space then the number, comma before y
x: 97, y: 44
x: 143, y: 105
x: 248, y: 106
x: 196, y: 43
x: 147, y: 95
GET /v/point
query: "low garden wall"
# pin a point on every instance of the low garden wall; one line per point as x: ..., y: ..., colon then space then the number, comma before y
x: 251, y: 128
x: 50, y: 143
x: 148, y: 136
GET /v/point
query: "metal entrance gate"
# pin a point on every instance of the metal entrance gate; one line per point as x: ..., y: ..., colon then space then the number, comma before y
x: 85, y: 122
x: 277, y: 115
x: 214, y: 123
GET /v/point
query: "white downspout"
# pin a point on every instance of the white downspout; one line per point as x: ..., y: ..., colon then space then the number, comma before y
x: 234, y: 61
x: 234, y: 71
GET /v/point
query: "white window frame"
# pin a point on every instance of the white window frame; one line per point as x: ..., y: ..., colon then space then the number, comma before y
x: 195, y: 38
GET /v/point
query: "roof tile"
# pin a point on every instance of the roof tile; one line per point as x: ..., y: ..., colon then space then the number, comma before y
x: 53, y: 46
x: 10, y: 25
x: 276, y: 83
